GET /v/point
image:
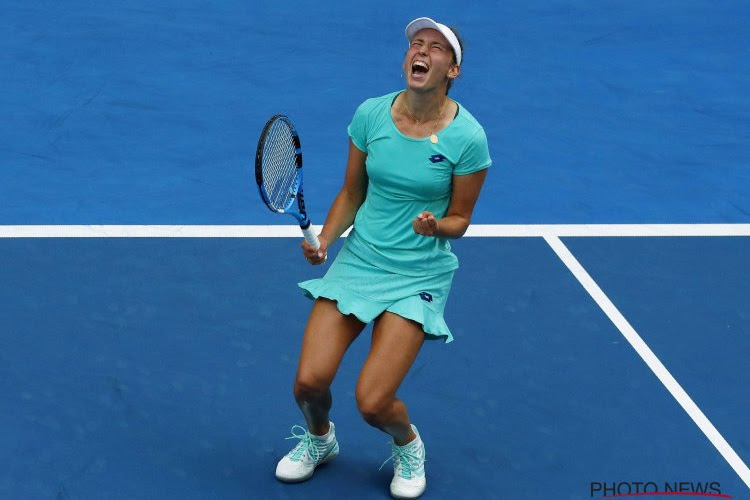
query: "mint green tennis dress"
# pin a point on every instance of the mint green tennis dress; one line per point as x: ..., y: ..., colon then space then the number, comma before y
x: 384, y: 265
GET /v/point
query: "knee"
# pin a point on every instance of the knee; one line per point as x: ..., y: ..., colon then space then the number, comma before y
x: 374, y: 409
x: 308, y: 387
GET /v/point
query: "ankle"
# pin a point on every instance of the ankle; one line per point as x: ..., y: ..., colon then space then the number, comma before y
x: 406, y: 438
x: 322, y: 432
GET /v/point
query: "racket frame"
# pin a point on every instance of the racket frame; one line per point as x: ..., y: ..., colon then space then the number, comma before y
x: 296, y: 192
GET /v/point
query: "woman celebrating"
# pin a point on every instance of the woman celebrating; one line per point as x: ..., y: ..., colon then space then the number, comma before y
x: 417, y: 162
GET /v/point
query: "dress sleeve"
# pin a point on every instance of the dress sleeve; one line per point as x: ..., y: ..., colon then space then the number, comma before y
x: 358, y: 127
x: 476, y: 155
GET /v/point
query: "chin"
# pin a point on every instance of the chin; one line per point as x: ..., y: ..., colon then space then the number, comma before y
x: 416, y: 85
x: 420, y: 87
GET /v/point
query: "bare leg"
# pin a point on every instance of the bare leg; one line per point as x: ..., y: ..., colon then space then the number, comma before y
x: 396, y: 342
x: 327, y: 337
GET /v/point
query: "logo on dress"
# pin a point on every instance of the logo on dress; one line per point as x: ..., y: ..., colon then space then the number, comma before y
x: 425, y: 296
x: 437, y: 158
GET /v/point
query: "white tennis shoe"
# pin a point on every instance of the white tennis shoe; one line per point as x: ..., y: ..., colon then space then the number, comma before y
x: 311, y: 451
x: 409, y: 479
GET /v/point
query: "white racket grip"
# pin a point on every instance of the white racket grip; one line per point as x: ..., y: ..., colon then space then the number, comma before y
x: 311, y: 237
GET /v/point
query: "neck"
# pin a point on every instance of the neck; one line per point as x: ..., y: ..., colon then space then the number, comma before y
x: 424, y: 107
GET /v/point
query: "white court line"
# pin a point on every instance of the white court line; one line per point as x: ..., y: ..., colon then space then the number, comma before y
x: 650, y: 358
x: 292, y: 231
x: 149, y: 231
x: 603, y: 230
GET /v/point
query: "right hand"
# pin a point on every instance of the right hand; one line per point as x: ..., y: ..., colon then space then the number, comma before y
x: 315, y: 257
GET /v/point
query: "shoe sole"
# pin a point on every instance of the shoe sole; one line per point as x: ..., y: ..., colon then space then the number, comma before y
x: 396, y: 495
x: 407, y: 495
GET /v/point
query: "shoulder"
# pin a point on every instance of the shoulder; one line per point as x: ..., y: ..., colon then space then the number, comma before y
x: 371, y: 115
x: 469, y: 127
x: 466, y: 120
x: 377, y: 103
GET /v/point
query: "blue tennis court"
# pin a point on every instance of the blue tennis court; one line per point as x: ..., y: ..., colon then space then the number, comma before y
x: 151, y: 320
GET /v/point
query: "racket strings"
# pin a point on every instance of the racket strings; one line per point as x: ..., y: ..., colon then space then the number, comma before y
x: 280, y: 166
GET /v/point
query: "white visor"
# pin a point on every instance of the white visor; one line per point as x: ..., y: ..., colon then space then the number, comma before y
x: 425, y: 22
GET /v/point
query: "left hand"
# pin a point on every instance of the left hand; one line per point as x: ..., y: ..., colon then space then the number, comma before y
x: 425, y: 224
x: 316, y: 257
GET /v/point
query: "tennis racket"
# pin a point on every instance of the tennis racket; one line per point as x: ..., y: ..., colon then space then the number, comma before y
x: 278, y: 172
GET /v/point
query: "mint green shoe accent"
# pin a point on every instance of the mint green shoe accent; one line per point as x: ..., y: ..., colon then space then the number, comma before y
x: 409, y: 479
x: 299, y: 464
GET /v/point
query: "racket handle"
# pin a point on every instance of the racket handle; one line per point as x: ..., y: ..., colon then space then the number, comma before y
x: 311, y: 237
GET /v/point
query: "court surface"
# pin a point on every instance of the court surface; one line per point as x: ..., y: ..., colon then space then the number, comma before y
x: 150, y: 319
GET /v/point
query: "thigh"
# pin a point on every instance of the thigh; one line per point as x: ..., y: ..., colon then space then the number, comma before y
x: 396, y: 342
x: 328, y: 335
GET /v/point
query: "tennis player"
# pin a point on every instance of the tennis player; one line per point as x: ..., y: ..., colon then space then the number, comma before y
x: 417, y: 161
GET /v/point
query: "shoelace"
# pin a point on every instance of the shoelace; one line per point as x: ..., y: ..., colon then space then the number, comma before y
x: 404, y: 460
x: 305, y: 444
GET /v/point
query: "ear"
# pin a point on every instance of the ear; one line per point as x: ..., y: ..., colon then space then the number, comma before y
x: 454, y: 71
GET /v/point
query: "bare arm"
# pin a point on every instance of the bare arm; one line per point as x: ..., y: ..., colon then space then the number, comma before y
x: 457, y: 218
x: 345, y: 205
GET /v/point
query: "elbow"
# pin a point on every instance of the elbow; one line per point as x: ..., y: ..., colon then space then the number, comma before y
x: 354, y: 197
x: 463, y: 229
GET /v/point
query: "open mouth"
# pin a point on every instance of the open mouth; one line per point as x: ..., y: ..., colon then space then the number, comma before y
x: 419, y: 68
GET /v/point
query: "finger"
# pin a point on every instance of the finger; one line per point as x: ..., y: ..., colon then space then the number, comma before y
x: 310, y: 250
x: 317, y: 257
x: 425, y: 227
